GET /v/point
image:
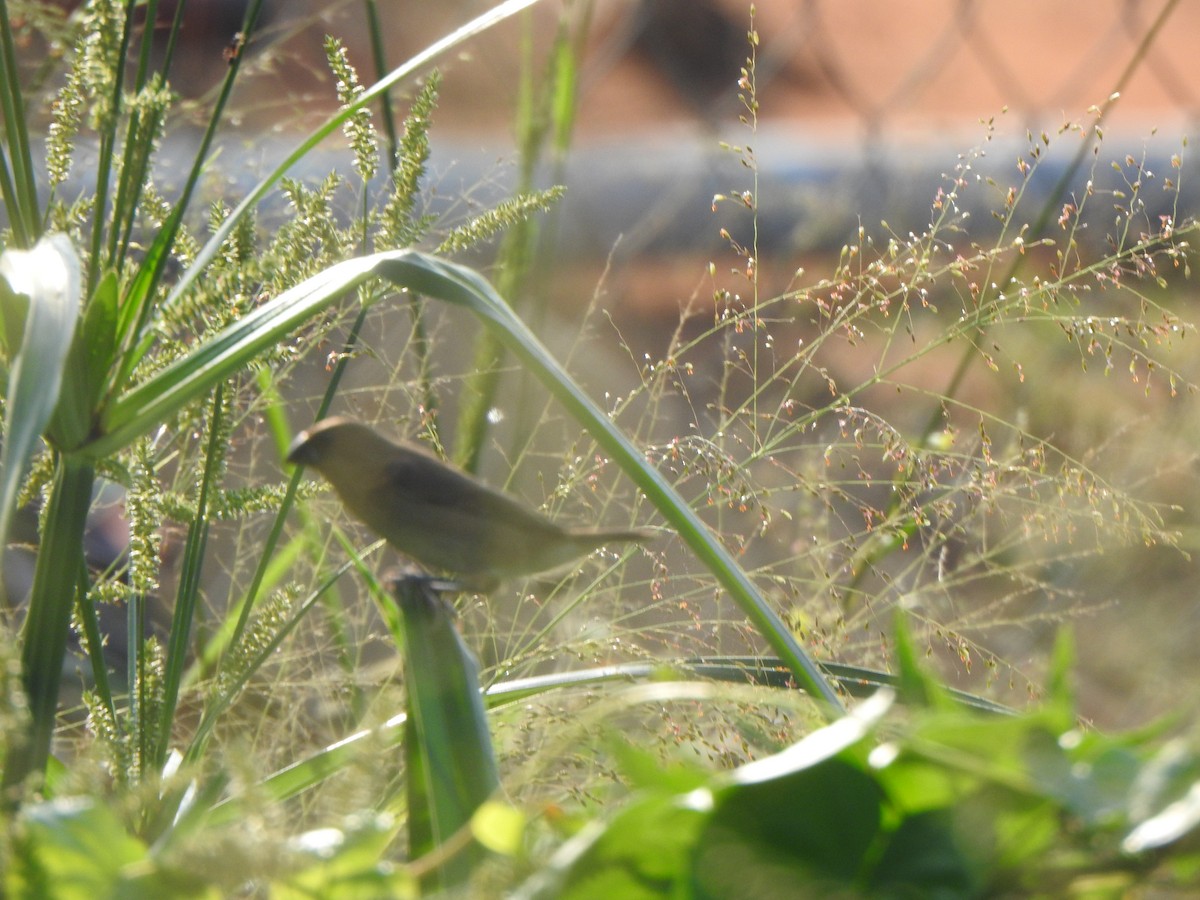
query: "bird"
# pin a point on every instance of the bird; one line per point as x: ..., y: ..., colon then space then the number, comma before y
x: 437, y: 515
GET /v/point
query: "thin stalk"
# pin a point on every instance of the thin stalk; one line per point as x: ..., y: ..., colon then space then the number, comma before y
x: 135, y: 677
x: 515, y: 259
x: 136, y: 157
x: 379, y: 58
x: 226, y: 693
x: 95, y: 643
x: 289, y: 497
x: 19, y: 187
x: 150, y: 17
x: 104, y: 160
x: 189, y: 582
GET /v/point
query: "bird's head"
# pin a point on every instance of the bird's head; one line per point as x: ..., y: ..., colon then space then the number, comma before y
x: 324, y: 440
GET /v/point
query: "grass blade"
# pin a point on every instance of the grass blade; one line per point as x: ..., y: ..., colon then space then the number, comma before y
x: 19, y: 186
x: 55, y: 585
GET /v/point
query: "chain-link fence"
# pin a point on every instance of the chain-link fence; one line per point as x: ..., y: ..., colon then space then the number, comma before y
x: 863, y: 107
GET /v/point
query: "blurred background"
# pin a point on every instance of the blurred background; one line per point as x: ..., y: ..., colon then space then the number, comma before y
x: 863, y: 109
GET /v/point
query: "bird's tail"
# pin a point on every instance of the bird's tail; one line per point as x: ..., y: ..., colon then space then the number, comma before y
x: 593, y: 539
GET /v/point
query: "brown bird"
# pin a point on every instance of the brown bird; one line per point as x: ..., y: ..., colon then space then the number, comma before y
x: 437, y: 515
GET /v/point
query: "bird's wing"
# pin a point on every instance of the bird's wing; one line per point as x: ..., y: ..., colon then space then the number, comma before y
x: 453, y: 491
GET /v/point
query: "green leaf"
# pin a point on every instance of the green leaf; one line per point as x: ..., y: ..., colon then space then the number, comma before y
x: 1165, y: 778
x: 641, y: 855
x: 923, y: 859
x: 823, y: 744
x: 76, y: 849
x: 452, y: 767
x: 1060, y: 695
x: 350, y: 863
x: 191, y: 377
x: 917, y: 686
x: 1179, y: 819
x: 44, y: 634
x: 813, y: 826
x: 74, y: 842
x: 88, y: 369
x: 499, y: 827
x: 47, y: 282
x: 643, y: 769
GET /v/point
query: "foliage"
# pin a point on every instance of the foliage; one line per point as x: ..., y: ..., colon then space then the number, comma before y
x: 244, y: 722
x: 932, y: 800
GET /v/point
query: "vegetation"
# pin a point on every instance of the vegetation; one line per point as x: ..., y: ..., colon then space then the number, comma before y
x: 654, y: 723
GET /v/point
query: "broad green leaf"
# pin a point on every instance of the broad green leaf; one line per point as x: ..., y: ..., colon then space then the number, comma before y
x: 71, y: 848
x: 924, y: 859
x: 823, y: 744
x: 47, y: 282
x: 643, y: 768
x: 77, y: 849
x: 642, y: 854
x: 1179, y: 819
x: 812, y: 826
x: 499, y: 827
x: 1163, y: 779
x: 350, y: 862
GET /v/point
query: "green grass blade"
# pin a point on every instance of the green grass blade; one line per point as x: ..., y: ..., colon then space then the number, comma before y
x: 94, y: 639
x: 139, y: 304
x: 188, y: 597
x: 379, y: 58
x: 857, y: 681
x: 452, y: 767
x: 85, y: 372
x: 55, y: 585
x: 313, y: 770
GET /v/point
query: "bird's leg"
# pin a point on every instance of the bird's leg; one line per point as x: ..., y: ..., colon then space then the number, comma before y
x: 423, y: 581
